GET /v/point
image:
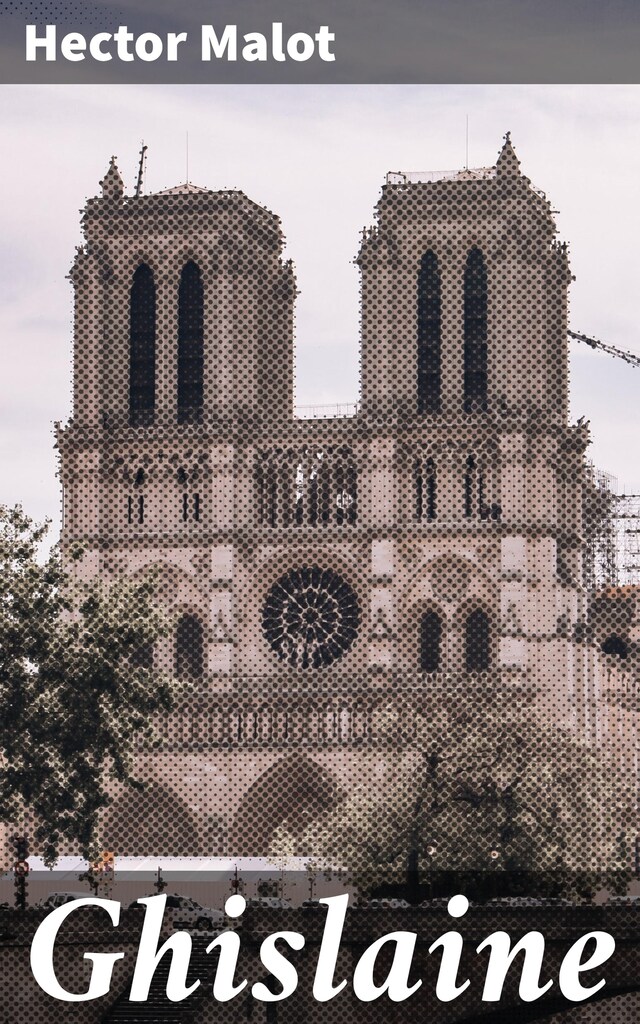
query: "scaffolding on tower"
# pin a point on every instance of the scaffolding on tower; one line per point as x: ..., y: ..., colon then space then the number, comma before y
x: 627, y: 514
x: 601, y: 555
x: 612, y: 539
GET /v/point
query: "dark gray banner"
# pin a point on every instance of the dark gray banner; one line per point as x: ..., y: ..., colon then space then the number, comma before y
x: 426, y: 41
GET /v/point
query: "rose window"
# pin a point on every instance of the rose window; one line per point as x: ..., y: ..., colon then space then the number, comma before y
x: 310, y: 617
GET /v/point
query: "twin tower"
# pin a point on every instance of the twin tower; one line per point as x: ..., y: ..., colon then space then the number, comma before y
x: 316, y: 570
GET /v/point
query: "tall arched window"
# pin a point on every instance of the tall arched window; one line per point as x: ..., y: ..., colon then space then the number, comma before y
x: 190, y: 345
x: 190, y: 647
x: 475, y: 332
x: 424, y: 474
x: 477, y: 640
x: 430, y: 642
x: 429, y: 331
x: 142, y: 348
x: 475, y: 506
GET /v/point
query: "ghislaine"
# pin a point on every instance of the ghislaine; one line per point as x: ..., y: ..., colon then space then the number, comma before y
x: 366, y: 982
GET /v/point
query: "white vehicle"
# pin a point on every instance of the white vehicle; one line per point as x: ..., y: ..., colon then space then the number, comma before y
x: 58, y: 899
x: 387, y: 903
x: 182, y: 912
x: 270, y: 902
x: 516, y: 901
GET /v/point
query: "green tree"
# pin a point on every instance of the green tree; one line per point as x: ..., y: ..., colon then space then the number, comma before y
x: 484, y: 799
x: 76, y: 692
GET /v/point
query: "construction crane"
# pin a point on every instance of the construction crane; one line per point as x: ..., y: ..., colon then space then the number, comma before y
x: 629, y: 357
x: 625, y: 521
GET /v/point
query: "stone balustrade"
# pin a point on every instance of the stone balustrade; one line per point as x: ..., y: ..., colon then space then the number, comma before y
x: 300, y: 720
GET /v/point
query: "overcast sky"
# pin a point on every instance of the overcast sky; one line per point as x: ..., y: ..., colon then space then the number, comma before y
x: 317, y: 157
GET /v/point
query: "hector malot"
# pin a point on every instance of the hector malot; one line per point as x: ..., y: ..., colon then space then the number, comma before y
x: 227, y: 45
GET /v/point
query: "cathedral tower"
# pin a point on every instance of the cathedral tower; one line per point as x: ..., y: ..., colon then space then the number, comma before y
x: 315, y: 570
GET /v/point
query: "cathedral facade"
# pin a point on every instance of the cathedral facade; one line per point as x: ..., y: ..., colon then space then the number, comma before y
x: 316, y: 570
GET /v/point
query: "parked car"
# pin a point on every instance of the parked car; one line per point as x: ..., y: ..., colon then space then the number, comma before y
x: 183, y: 912
x: 515, y: 901
x: 313, y: 905
x: 58, y: 899
x: 269, y: 902
x: 387, y: 904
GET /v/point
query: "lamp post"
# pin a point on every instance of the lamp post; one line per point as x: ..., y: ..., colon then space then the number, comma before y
x: 311, y: 876
x: 412, y: 881
x: 430, y: 851
x: 236, y: 884
x: 494, y: 857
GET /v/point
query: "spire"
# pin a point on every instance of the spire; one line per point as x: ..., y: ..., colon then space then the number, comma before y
x: 508, y: 165
x: 112, y: 184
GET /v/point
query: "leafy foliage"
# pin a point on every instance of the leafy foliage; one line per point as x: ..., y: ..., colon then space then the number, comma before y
x: 487, y: 801
x: 74, y: 697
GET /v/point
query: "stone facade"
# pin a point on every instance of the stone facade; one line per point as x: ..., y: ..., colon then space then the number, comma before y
x: 316, y: 569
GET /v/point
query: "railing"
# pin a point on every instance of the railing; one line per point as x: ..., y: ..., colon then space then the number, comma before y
x: 232, y: 721
x: 332, y: 411
x: 252, y: 724
x: 462, y: 174
x: 420, y: 177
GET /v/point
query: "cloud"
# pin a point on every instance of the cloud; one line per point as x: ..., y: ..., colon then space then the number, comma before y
x: 316, y: 156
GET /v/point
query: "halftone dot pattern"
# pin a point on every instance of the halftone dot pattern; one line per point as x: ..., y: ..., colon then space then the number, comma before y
x: 52, y: 12
x: 310, y: 617
x: 386, y: 654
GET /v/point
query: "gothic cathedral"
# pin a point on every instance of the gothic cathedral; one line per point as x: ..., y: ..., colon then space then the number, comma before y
x: 315, y: 570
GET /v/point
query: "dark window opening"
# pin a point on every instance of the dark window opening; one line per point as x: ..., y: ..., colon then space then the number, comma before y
x: 429, y: 335
x: 615, y: 645
x: 475, y: 333
x: 475, y: 505
x: 477, y: 642
x: 430, y: 642
x: 425, y: 488
x: 135, y: 508
x: 190, y: 345
x: 468, y: 487
x: 351, y: 493
x: 190, y: 647
x: 142, y: 348
x: 190, y: 507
